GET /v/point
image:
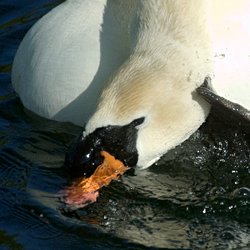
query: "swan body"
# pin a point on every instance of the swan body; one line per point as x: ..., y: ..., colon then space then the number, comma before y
x: 135, y: 59
x: 64, y: 60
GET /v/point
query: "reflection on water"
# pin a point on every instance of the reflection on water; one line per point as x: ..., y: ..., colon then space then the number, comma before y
x: 196, y: 197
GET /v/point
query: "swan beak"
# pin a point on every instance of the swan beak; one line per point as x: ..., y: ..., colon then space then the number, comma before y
x: 84, y: 155
x: 85, y: 191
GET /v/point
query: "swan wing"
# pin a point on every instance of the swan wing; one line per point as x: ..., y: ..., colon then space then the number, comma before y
x: 224, y: 108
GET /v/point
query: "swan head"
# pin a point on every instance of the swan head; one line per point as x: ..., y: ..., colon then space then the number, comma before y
x: 84, y: 155
x: 143, y: 113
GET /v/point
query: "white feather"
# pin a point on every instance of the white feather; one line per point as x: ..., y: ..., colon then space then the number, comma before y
x: 67, y: 56
x: 157, y: 52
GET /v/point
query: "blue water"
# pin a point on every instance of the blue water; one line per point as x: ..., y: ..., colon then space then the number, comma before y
x: 196, y: 197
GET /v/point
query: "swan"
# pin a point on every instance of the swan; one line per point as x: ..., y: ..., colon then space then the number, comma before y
x: 129, y: 70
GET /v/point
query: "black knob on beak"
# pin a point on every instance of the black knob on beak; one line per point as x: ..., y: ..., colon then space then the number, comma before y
x: 83, y: 156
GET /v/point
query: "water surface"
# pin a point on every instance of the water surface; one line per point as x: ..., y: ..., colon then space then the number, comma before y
x: 196, y: 197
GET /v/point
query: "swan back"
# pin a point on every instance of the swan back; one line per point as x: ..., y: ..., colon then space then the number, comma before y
x: 66, y: 58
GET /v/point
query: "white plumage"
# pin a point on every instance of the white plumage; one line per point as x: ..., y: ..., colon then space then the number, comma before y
x: 155, y: 53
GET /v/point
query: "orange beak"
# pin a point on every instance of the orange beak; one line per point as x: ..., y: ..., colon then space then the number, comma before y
x: 85, y: 190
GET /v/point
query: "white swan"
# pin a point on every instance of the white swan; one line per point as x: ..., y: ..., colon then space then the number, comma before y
x: 157, y: 52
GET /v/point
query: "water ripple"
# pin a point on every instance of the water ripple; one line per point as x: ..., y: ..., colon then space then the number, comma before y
x: 196, y: 197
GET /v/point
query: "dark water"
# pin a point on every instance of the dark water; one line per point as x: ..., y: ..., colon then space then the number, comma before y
x: 196, y: 197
